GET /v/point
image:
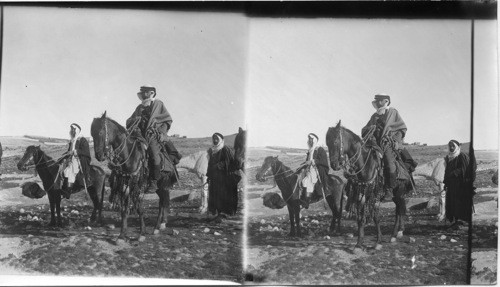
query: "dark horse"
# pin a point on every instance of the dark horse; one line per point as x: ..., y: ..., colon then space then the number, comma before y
x: 363, y: 173
x: 128, y: 163
x: 240, y: 149
x: 286, y: 179
x: 48, y: 169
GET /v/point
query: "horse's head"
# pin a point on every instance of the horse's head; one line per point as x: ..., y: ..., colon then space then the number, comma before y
x: 336, y: 146
x: 267, y: 168
x: 240, y: 147
x: 28, y: 158
x: 99, y: 132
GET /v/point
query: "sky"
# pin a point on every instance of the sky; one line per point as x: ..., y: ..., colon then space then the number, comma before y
x: 65, y: 65
x: 307, y: 74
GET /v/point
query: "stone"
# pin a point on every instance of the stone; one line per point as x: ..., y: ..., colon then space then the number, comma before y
x: 217, y: 233
x: 142, y: 238
x: 262, y: 221
x: 393, y: 239
x: 110, y: 226
x: 163, y: 226
x: 88, y: 241
x: 314, y: 221
x: 156, y: 232
x: 453, y: 240
x: 327, y: 237
x: 35, y: 218
x: 22, y: 211
x: 378, y: 247
x: 206, y: 230
x: 175, y: 232
x: 412, y: 240
x: 88, y: 228
x: 443, y: 237
x: 349, y: 235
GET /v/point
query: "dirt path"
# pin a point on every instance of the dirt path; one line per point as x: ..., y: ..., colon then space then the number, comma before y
x: 192, y: 247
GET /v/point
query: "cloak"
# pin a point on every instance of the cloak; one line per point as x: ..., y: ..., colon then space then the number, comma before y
x: 394, y: 122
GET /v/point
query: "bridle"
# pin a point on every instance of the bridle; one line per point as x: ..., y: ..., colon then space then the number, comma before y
x: 111, y: 156
x: 349, y: 164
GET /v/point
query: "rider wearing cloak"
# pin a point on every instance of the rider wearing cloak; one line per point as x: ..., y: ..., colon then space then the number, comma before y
x: 154, y: 121
x: 315, y: 177
x: 77, y: 159
x: 388, y: 129
x: 222, y: 185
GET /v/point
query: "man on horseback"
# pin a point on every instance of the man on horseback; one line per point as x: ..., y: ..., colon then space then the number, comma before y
x: 154, y: 121
x: 77, y: 159
x: 388, y: 130
x: 315, y: 168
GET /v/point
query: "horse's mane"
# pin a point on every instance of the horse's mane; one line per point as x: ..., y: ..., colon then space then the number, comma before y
x: 354, y: 136
x: 120, y: 127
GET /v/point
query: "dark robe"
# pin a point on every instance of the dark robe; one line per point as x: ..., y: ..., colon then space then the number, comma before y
x: 222, y: 187
x: 83, y: 152
x: 387, y: 124
x: 457, y: 181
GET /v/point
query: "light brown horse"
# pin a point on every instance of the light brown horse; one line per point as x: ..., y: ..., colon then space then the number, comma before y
x: 127, y: 159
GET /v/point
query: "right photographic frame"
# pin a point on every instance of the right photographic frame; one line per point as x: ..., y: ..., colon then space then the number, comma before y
x: 372, y: 155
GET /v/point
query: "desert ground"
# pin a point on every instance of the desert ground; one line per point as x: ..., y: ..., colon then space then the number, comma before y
x: 192, y: 247
x: 439, y: 255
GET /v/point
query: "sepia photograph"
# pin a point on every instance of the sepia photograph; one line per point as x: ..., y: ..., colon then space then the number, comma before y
x: 123, y: 135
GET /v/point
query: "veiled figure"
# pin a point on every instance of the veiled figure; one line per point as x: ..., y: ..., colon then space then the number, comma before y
x: 222, y: 179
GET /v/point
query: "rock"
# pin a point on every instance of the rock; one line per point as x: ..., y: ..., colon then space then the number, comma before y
x: 87, y: 228
x: 110, y: 226
x: 276, y: 228
x: 206, y: 230
x: 88, y: 241
x: 443, y: 237
x: 433, y: 203
x: 163, y: 226
x: 412, y: 240
x: 30, y: 235
x: 326, y: 237
x: 175, y: 232
x: 35, y: 218
x: 393, y: 240
x: 28, y: 217
x: 75, y: 212
x: 453, y: 240
x: 120, y: 241
x: 269, y: 227
x: 262, y: 221
x: 217, y: 233
x: 142, y: 238
x: 314, y: 221
x: 349, y: 235
x: 156, y: 232
x: 22, y: 211
x: 378, y: 247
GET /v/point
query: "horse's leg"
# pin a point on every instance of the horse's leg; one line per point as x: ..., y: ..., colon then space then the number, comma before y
x: 297, y: 218
x: 376, y: 220
x: 101, y: 203
x: 140, y: 211
x: 292, y: 219
x: 336, y: 214
x: 95, y: 201
x: 161, y: 196
x: 124, y: 214
x: 58, y: 209
x: 52, y: 203
x: 361, y: 232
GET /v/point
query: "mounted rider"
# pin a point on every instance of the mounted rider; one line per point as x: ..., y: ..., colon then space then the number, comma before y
x: 314, y: 169
x: 388, y: 129
x: 154, y: 121
x: 77, y: 158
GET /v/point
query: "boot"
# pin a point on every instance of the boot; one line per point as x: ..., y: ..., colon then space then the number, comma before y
x: 153, y: 183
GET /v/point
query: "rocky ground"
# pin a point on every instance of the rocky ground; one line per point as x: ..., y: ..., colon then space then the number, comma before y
x: 428, y: 253
x: 193, y: 246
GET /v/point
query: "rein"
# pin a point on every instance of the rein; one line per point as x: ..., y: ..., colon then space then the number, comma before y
x: 115, y: 152
x: 349, y: 163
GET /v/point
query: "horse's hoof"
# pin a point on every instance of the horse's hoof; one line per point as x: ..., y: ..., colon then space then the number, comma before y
x: 400, y: 234
x: 393, y: 240
x: 163, y: 226
x: 378, y: 246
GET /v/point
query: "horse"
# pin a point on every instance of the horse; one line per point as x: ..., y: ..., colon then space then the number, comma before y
x: 197, y: 163
x: 128, y: 161
x: 434, y: 170
x: 48, y: 170
x: 286, y: 179
x: 365, y: 178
